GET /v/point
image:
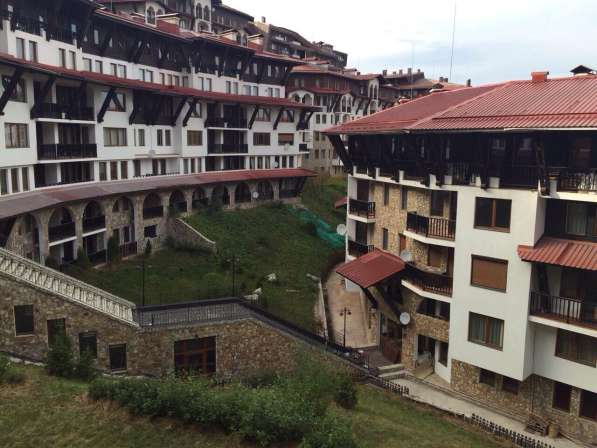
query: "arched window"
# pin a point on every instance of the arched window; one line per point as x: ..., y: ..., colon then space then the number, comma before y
x: 150, y: 15
x: 206, y: 13
x: 199, y: 11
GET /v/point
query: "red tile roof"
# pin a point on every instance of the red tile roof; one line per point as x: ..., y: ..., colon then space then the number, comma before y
x: 341, y: 202
x: 17, y: 204
x: 561, y: 252
x: 371, y: 268
x: 316, y: 69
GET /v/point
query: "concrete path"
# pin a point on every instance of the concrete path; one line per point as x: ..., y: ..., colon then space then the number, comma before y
x: 447, y: 402
x: 357, y: 326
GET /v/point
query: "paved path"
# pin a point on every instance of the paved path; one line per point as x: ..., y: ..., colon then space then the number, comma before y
x: 445, y: 401
x: 357, y: 328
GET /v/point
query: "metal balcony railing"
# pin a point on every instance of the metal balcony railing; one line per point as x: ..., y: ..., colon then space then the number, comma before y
x: 429, y: 281
x: 61, y: 231
x: 431, y: 226
x: 63, y: 112
x: 364, y: 209
x: 227, y: 148
x: 226, y: 122
x: 577, y: 180
x: 569, y: 310
x: 95, y: 223
x: 63, y: 151
x: 153, y: 212
x: 356, y: 249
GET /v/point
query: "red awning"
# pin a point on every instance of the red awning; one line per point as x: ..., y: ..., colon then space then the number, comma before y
x: 561, y: 252
x: 341, y: 202
x: 371, y: 268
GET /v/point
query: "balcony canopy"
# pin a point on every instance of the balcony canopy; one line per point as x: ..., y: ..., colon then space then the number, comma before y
x: 371, y: 268
x: 561, y: 252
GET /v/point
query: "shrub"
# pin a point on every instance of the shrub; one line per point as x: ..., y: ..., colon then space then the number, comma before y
x: 14, y: 377
x: 346, y: 392
x: 82, y: 259
x: 148, y: 249
x: 85, y: 369
x: 310, y: 228
x: 60, y: 357
x: 4, y: 366
x: 332, y: 431
x: 52, y: 263
x: 113, y: 250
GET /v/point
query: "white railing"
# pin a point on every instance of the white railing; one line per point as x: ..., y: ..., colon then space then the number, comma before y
x: 73, y: 290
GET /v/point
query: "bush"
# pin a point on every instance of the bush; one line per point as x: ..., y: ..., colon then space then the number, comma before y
x: 82, y: 259
x: 310, y: 228
x: 113, y: 250
x: 346, y: 392
x: 332, y: 431
x: 60, y: 360
x: 148, y: 249
x: 14, y: 377
x: 4, y: 366
x: 85, y: 368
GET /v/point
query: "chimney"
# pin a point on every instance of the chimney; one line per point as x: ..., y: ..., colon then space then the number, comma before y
x: 539, y: 76
x: 263, y: 19
x: 418, y: 70
x: 410, y: 70
x: 394, y: 72
x: 385, y: 73
x: 468, y: 82
x: 400, y: 72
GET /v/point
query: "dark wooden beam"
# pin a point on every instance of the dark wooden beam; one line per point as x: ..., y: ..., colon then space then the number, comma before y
x: 187, y: 117
x: 136, y: 44
x: 253, y: 116
x: 361, y: 100
x: 371, y: 298
x: 10, y: 89
x: 42, y: 95
x: 109, y: 97
x: 301, y: 119
x: 335, y: 103
x: 178, y: 111
x: 136, y: 107
x: 84, y: 26
x: 261, y: 72
x: 278, y: 118
x: 338, y: 145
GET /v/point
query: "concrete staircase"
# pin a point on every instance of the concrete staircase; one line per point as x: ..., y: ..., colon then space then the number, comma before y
x: 65, y: 287
x: 392, y: 372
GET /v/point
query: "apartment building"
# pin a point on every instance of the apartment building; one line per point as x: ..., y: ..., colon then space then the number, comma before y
x: 412, y: 84
x: 111, y: 119
x: 471, y: 235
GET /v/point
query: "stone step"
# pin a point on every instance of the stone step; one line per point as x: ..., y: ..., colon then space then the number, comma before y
x: 391, y: 368
x: 392, y: 375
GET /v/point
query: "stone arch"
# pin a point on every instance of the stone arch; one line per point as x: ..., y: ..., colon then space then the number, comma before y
x: 220, y: 195
x: 152, y: 206
x: 93, y: 217
x: 178, y: 201
x: 199, y: 198
x: 242, y: 193
x: 123, y: 204
x: 265, y: 191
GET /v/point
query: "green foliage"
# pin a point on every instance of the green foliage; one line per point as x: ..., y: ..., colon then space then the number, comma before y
x: 216, y: 285
x: 113, y: 250
x: 14, y: 377
x: 52, y: 263
x: 332, y: 431
x: 85, y: 367
x: 4, y: 366
x: 82, y: 259
x: 60, y: 361
x: 310, y: 228
x: 346, y: 392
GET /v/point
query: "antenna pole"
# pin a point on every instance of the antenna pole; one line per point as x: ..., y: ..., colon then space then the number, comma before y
x: 412, y: 68
x: 453, y: 38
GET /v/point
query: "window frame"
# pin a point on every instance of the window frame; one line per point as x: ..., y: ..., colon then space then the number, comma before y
x: 30, y: 330
x: 487, y: 377
x: 111, y: 359
x: 568, y: 399
x: 492, y: 227
x: 493, y: 260
x: 88, y: 335
x: 15, y: 129
x: 486, y: 331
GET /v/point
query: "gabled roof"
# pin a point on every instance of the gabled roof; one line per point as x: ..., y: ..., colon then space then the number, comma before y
x: 371, y: 268
x: 561, y: 252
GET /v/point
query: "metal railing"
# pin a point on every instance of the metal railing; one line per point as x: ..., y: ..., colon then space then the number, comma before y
x: 567, y: 309
x: 63, y: 112
x: 56, y: 283
x: 153, y: 212
x: 227, y: 148
x: 61, y: 231
x: 95, y: 223
x: 463, y: 173
x: 574, y: 180
x: 431, y: 226
x: 58, y: 151
x: 356, y: 249
x: 226, y: 122
x: 429, y: 281
x: 361, y: 208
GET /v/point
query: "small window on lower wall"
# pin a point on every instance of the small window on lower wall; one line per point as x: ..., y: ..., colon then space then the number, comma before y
x: 88, y: 343
x: 489, y: 273
x: 150, y: 232
x: 576, y: 347
x: 487, y: 377
x: 117, y: 357
x: 588, y: 404
x: 562, y: 394
x: 24, y: 323
x: 510, y: 385
x: 195, y: 356
x: 486, y: 330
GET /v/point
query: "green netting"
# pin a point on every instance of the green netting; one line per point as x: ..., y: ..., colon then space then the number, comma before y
x: 324, y: 230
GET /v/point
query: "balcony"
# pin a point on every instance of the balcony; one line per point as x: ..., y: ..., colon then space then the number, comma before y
x: 577, y: 181
x: 226, y: 122
x: 431, y: 227
x: 227, y: 148
x: 61, y: 231
x: 63, y: 112
x: 568, y: 310
x: 153, y: 212
x: 93, y: 224
x: 463, y: 173
x: 520, y: 176
x: 356, y: 249
x: 364, y: 209
x: 63, y: 151
x: 429, y: 279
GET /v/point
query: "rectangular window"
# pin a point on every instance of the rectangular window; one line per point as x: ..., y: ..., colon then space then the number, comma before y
x: 443, y: 353
x: 114, y: 136
x: 194, y: 138
x: 576, y: 218
x: 141, y: 137
x: 487, y: 377
x: 263, y: 115
x: 137, y: 167
x: 486, y: 330
x: 576, y: 347
x: 3, y: 182
x: 510, y: 385
x: 150, y: 232
x: 118, y: 104
x: 14, y: 177
x: 385, y: 239
x: 87, y: 65
x: 160, y: 137
x: 438, y: 198
x: 24, y: 323
x: 124, y: 169
x: 20, y: 48
x: 492, y: 214
x: 117, y: 355
x: 99, y: 67
x: 72, y: 59
x: 489, y: 273
x: 562, y: 394
x: 588, y: 404
x: 113, y: 170
x: 103, y: 171
x: 56, y: 329
x: 32, y: 51
x: 168, y: 137
x: 196, y: 356
x: 25, y: 178
x: 386, y: 194
x: 88, y: 343
x: 285, y: 139
x: 17, y: 135
x: 261, y: 139
x: 121, y: 71
x: 404, y: 199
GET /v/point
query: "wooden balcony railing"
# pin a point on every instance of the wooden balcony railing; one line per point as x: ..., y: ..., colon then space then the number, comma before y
x: 431, y: 226
x: 428, y: 280
x: 569, y: 310
x: 63, y: 112
x: 364, y: 209
x: 356, y: 249
x: 463, y: 173
x: 523, y: 176
x: 226, y: 122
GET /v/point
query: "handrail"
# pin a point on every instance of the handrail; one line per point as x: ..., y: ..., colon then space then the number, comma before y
x: 69, y: 288
x: 569, y: 309
x: 431, y: 226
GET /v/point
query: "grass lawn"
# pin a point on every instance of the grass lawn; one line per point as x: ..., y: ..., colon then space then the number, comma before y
x: 47, y: 411
x: 265, y: 239
x: 320, y: 194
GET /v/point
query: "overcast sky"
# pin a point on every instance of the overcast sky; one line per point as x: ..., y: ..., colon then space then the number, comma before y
x: 495, y: 40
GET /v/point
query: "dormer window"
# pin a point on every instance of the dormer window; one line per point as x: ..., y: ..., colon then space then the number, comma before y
x: 150, y: 15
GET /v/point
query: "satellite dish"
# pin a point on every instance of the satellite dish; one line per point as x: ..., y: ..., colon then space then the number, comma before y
x: 255, y: 195
x: 405, y: 319
x: 341, y: 229
x: 406, y: 256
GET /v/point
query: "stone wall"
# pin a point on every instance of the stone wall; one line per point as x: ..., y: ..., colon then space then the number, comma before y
x: 535, y: 397
x: 183, y: 235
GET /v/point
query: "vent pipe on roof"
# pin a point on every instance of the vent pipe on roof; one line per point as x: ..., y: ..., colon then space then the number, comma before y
x: 468, y: 82
x: 539, y: 76
x: 385, y: 73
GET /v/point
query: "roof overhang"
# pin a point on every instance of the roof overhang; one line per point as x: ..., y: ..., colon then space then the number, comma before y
x: 561, y: 252
x: 372, y: 268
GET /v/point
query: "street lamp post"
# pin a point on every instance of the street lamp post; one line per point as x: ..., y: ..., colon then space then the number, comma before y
x: 344, y: 313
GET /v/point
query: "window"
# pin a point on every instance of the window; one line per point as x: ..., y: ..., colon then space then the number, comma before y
x: 87, y: 65
x: 486, y: 330
x: 118, y: 103
x: 487, y: 377
x: 588, y: 404
x: 510, y: 385
x: 401, y: 242
x: 103, y: 171
x: 141, y: 137
x: 404, y: 199
x: 443, y: 353
x: 88, y: 343
x: 576, y: 218
x: 489, y: 273
x: 151, y: 15
x: 99, y: 66
x: 576, y: 347
x: 25, y: 178
x: 20, y: 48
x: 285, y: 139
x: 160, y: 133
x: 113, y: 69
x: 263, y: 115
x: 562, y: 394
x: 121, y: 71
x: 386, y: 194
x: 150, y: 232
x: 385, y: 239
x: 24, y: 323
x: 195, y: 355
x: 3, y: 182
x: 56, y: 328
x: 492, y: 213
x: 194, y: 138
x: 124, y: 169
x: 20, y: 94
x: 32, y: 51
x: 261, y: 139
x: 168, y: 137
x: 438, y: 198
x: 17, y: 135
x: 114, y: 136
x: 113, y: 170
x: 117, y: 355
